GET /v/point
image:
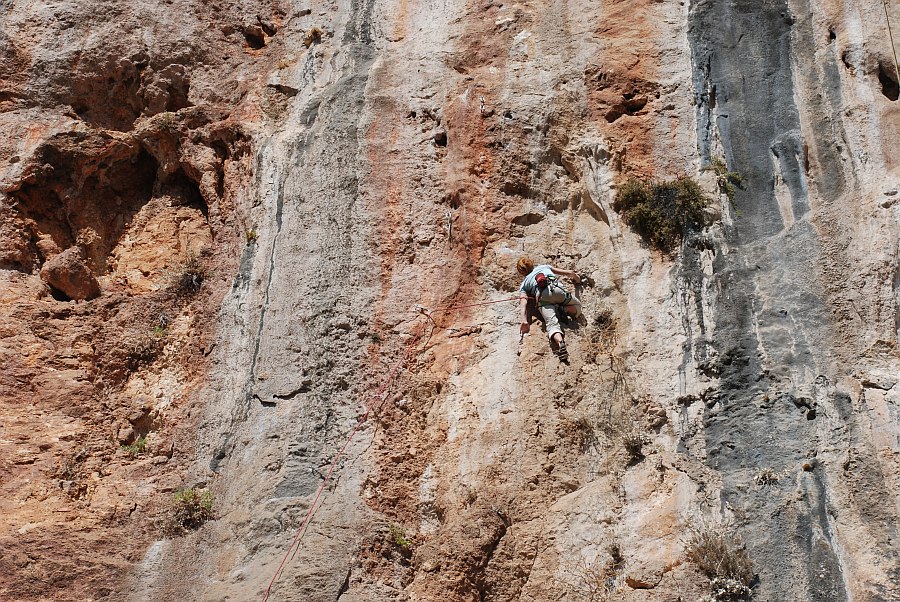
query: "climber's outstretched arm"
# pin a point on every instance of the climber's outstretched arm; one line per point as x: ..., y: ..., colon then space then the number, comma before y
x: 567, y: 273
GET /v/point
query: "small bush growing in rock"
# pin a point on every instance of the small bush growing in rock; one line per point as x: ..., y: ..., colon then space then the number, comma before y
x: 727, y: 180
x: 190, y: 509
x: 597, y: 581
x: 634, y: 443
x: 766, y: 477
x: 168, y: 120
x: 602, y: 335
x: 604, y: 319
x: 584, y: 425
x: 141, y: 350
x: 398, y: 537
x: 137, y: 448
x: 584, y: 432
x: 161, y: 325
x: 719, y: 552
x: 662, y: 212
x: 187, y: 278
x: 726, y: 589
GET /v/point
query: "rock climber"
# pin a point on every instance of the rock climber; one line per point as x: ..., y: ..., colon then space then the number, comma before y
x: 542, y: 284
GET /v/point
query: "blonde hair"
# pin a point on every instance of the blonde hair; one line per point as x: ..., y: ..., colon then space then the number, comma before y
x: 524, y: 265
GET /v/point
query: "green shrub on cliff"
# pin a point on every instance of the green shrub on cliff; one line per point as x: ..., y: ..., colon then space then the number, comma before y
x: 137, y: 448
x: 399, y: 537
x: 662, y: 212
x: 190, y: 509
x: 727, y: 180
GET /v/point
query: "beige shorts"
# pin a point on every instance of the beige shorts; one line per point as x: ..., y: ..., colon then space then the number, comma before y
x: 550, y: 298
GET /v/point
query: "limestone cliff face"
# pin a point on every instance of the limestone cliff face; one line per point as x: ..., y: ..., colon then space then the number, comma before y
x: 294, y: 212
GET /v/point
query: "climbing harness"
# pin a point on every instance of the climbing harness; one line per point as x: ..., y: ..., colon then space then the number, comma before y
x: 546, y: 284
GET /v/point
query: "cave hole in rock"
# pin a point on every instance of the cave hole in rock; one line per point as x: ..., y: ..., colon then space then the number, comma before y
x: 452, y: 199
x: 632, y: 103
x: 255, y: 39
x: 178, y: 99
x: 528, y: 219
x: 58, y: 295
x: 516, y: 187
x: 846, y: 59
x: 887, y: 77
x: 183, y: 192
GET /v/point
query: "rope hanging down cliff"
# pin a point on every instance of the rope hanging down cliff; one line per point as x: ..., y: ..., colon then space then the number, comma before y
x: 427, y: 328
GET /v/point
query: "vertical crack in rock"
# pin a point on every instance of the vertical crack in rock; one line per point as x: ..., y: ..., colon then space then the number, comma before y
x: 278, y: 195
x: 819, y: 79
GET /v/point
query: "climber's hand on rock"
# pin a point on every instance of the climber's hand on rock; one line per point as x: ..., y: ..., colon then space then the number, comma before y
x: 524, y: 327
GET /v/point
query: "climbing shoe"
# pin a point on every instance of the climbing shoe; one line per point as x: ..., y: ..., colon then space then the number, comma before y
x: 562, y: 353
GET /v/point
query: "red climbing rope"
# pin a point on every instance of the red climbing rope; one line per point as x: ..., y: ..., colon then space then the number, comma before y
x: 478, y: 304
x: 380, y: 397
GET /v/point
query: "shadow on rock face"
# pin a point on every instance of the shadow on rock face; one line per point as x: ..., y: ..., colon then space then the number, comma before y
x: 82, y: 189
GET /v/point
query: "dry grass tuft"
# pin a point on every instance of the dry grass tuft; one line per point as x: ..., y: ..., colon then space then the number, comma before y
x: 187, y: 278
x: 313, y: 36
x: 596, y: 581
x: 602, y: 337
x: 718, y: 551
